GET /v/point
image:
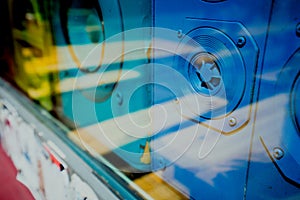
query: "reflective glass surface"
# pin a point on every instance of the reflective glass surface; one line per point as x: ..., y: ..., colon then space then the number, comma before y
x: 178, y: 99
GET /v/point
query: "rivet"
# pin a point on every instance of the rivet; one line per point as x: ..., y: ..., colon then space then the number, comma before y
x: 161, y: 164
x: 176, y: 101
x: 241, y: 41
x: 179, y: 33
x: 232, y: 121
x: 119, y: 97
x: 278, y: 153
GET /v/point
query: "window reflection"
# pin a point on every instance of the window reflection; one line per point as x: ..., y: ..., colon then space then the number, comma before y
x: 181, y: 110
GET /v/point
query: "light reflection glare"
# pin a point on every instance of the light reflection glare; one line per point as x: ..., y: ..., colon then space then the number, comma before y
x: 90, y: 54
x: 121, y: 130
x: 230, y: 152
x: 93, y: 80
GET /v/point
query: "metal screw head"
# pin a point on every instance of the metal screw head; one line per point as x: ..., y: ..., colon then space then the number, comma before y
x: 241, y: 41
x: 179, y: 33
x: 119, y: 97
x: 161, y: 164
x: 278, y: 153
x: 298, y: 30
x: 232, y: 121
x: 176, y: 101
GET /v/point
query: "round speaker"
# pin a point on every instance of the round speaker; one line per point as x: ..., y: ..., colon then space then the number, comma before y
x: 289, y: 83
x: 85, y: 30
x: 92, y: 31
x: 295, y: 99
x: 212, y: 63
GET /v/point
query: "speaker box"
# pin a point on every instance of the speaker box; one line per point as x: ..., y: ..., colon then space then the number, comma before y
x: 91, y: 50
x: 274, y: 169
x: 207, y: 56
x: 100, y: 81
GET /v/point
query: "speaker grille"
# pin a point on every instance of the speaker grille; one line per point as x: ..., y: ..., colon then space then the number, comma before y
x: 215, y: 69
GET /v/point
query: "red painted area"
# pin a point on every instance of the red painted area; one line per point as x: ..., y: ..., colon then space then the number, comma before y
x: 10, y: 188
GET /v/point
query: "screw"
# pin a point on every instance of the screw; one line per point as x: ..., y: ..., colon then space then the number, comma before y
x: 278, y: 153
x: 179, y: 33
x: 298, y: 30
x: 161, y: 164
x: 241, y: 41
x: 119, y: 97
x: 232, y: 121
x: 176, y: 101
